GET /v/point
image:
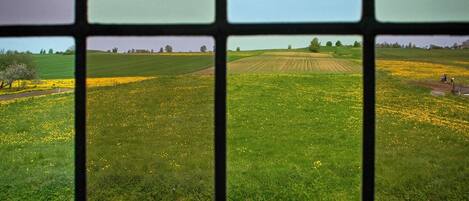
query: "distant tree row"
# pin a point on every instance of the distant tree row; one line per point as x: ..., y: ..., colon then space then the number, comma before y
x: 166, y: 48
x: 315, y: 45
x: 395, y: 45
x: 43, y: 51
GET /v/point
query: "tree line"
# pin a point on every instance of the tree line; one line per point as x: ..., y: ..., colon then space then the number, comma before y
x: 412, y: 45
x: 167, y: 49
x: 315, y: 45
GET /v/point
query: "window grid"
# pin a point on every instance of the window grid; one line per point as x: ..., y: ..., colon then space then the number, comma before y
x: 367, y: 27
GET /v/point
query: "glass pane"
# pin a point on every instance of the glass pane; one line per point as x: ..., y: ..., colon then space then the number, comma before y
x: 151, y: 11
x: 422, y: 10
x: 23, y: 12
x: 422, y: 118
x: 265, y: 11
x: 294, y: 117
x: 37, y: 123
x: 150, y: 118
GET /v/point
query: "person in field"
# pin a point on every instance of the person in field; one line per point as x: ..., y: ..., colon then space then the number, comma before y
x: 443, y: 78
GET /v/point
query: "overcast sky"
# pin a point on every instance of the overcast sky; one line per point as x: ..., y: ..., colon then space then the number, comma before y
x: 37, y: 11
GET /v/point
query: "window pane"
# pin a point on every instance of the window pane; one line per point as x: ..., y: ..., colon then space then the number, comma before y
x: 422, y: 10
x: 294, y: 118
x: 265, y: 11
x: 36, y: 12
x: 150, y: 118
x: 151, y: 11
x: 37, y: 123
x: 422, y: 118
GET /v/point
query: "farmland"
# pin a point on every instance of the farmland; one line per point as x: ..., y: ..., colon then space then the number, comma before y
x: 292, y: 62
x: 294, y: 129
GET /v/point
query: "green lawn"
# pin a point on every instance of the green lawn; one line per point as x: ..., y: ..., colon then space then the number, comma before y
x: 118, y: 65
x: 55, y: 66
x: 294, y: 137
x: 422, y: 143
x: 36, y: 149
x: 151, y: 140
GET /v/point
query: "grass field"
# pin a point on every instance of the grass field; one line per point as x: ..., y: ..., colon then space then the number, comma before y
x: 294, y: 128
x: 156, y: 144
x: 422, y: 140
x: 36, y: 148
x: 294, y: 137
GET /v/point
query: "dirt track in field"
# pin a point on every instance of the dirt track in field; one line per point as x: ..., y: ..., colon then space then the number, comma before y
x: 290, y: 62
x: 33, y: 93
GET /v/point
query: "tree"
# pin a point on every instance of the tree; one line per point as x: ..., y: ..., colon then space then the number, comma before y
x: 114, y: 50
x: 161, y: 50
x: 314, y: 45
x: 203, y: 48
x: 152, y: 51
x: 168, y: 48
x: 238, y: 49
x: 70, y: 50
x: 338, y: 43
x: 396, y: 45
x: 432, y: 46
x: 10, y: 59
x: 16, y: 72
x: 455, y: 46
x: 329, y: 44
x: 51, y: 51
x: 289, y: 47
x: 356, y: 44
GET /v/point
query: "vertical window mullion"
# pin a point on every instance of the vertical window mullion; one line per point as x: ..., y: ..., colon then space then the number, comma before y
x: 220, y: 98
x: 368, y: 30
x: 80, y: 99
x: 220, y: 117
x: 368, y: 118
x: 80, y: 118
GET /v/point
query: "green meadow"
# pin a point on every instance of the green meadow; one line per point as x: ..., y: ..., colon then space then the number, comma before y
x: 293, y: 134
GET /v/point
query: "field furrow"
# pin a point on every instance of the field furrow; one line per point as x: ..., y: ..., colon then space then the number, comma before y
x: 291, y: 62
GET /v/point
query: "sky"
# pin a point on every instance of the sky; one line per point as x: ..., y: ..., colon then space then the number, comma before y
x: 422, y: 10
x: 239, y: 11
x: 192, y: 43
x: 151, y: 11
x: 35, y: 44
x: 242, y: 11
x: 36, y: 12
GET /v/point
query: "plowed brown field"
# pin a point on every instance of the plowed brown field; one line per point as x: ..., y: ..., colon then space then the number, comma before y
x: 290, y: 62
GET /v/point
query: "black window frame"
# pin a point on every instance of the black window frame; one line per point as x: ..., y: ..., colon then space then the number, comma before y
x: 368, y: 27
